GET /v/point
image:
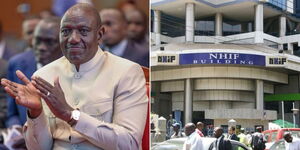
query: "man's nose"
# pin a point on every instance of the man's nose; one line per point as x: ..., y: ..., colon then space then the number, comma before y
x: 74, y: 38
x: 42, y: 47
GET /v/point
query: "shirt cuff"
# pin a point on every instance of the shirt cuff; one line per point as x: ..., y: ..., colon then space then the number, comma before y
x: 84, y: 122
x: 41, y: 120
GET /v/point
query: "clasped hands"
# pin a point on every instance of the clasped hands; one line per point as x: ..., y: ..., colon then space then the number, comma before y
x: 29, y: 95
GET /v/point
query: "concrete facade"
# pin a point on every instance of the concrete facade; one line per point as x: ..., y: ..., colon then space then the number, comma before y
x: 222, y: 90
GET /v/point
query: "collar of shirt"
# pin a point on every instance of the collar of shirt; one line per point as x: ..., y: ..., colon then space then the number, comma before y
x: 217, y: 142
x: 2, y: 47
x: 119, y: 49
x: 85, y: 67
x: 38, y: 66
x: 193, y: 134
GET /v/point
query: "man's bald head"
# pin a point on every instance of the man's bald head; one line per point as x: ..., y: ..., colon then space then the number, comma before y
x: 115, y: 26
x: 113, y: 12
x: 80, y: 33
x: 200, y: 125
x: 45, y: 40
x: 189, y: 128
x: 28, y: 27
x: 218, y: 131
x: 84, y: 8
x: 288, y: 137
x: 137, y: 24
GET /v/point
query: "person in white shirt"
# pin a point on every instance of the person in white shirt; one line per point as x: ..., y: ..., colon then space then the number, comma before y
x: 290, y: 143
x: 194, y: 141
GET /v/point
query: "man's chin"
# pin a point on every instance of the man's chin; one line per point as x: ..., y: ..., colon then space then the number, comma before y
x: 74, y: 59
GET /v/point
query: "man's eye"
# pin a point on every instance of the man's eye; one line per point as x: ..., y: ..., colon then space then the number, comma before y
x: 83, y: 31
x: 108, y: 23
x: 65, y: 31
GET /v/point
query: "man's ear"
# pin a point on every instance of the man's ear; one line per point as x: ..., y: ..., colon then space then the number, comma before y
x: 101, y: 31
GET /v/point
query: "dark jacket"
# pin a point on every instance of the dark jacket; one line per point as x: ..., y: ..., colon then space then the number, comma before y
x: 8, y: 53
x: 233, y: 137
x: 138, y: 53
x: 224, y: 144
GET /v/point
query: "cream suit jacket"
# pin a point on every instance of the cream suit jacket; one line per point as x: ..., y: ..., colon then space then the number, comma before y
x: 111, y: 95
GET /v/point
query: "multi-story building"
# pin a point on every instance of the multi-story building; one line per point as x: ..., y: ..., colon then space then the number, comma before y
x: 216, y: 60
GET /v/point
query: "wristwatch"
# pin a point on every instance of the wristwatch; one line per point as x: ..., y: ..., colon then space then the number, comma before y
x: 74, y: 117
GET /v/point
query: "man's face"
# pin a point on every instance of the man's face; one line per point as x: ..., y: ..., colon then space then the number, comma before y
x: 176, y: 128
x: 28, y: 29
x: 79, y: 36
x: 115, y: 27
x: 288, y: 138
x: 217, y: 133
x: 188, y: 130
x: 45, y: 42
x: 230, y: 131
x: 136, y: 25
x: 200, y: 126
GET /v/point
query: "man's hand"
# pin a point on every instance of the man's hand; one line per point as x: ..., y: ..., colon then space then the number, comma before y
x: 25, y: 95
x: 54, y: 97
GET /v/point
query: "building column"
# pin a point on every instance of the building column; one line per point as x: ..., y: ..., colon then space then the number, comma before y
x: 280, y: 110
x: 157, y: 26
x: 290, y: 48
x: 189, y: 22
x: 219, y: 24
x: 282, y: 26
x: 188, y: 101
x: 259, y: 23
x: 297, y: 106
x: 282, y: 29
x: 259, y: 94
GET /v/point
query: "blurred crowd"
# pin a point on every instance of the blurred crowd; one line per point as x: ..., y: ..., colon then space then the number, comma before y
x: 126, y: 35
x: 199, y: 135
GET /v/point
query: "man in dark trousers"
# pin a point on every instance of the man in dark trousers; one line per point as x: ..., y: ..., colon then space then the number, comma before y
x: 220, y: 143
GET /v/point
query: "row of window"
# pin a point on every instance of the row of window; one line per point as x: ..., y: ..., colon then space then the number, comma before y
x: 174, y: 27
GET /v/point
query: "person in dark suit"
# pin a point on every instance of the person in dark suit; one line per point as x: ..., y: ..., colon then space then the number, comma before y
x: 220, y: 143
x: 231, y: 134
x: 115, y: 38
x: 29, y: 61
x: 26, y: 62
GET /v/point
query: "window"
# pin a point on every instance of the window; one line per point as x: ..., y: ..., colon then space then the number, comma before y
x: 205, y: 27
x: 172, y: 26
x: 231, y: 27
x: 267, y: 135
x: 274, y: 135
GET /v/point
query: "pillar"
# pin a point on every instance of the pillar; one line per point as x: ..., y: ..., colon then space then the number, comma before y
x: 297, y: 106
x: 219, y: 23
x: 259, y: 94
x: 259, y: 23
x: 282, y: 26
x: 157, y: 26
x: 189, y: 22
x: 188, y: 101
